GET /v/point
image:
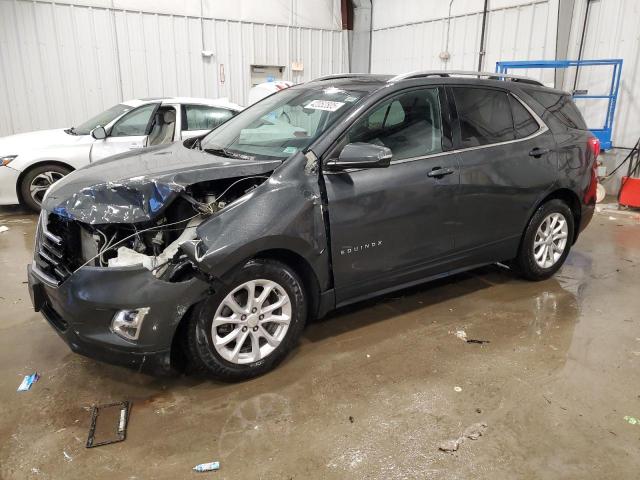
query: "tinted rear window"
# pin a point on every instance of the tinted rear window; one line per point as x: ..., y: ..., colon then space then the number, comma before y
x: 523, y: 121
x: 562, y: 107
x: 484, y: 115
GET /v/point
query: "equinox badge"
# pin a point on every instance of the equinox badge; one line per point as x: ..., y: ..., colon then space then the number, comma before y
x: 360, y: 248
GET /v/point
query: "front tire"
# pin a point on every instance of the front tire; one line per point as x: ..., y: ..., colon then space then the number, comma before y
x: 546, y: 242
x: 248, y: 327
x: 37, y: 181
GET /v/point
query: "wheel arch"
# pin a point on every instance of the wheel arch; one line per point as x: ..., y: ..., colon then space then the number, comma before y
x: 33, y: 166
x: 302, y: 267
x: 292, y: 259
x: 573, y: 202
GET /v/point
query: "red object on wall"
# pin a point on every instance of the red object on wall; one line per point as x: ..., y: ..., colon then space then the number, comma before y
x: 630, y: 192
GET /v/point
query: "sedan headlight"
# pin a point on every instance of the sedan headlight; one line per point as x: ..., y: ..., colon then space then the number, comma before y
x: 7, y: 159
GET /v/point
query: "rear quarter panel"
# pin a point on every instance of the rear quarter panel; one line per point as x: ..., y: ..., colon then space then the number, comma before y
x: 575, y: 159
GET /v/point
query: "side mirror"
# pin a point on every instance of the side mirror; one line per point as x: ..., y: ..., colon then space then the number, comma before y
x: 361, y: 155
x: 99, y: 133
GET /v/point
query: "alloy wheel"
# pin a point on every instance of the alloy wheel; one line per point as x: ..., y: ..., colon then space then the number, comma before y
x: 550, y: 240
x: 41, y: 183
x: 251, y: 321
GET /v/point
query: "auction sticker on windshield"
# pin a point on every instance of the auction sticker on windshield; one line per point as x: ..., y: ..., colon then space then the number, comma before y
x: 328, y: 105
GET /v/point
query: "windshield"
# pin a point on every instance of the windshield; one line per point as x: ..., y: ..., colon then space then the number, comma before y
x: 102, y: 119
x: 281, y: 124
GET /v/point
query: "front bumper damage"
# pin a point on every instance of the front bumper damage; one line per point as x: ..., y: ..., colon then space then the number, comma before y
x: 82, y: 308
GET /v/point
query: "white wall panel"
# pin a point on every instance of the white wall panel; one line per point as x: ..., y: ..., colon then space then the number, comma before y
x: 61, y: 63
x: 522, y: 30
x: 612, y: 32
x: 410, y: 34
x: 391, y: 13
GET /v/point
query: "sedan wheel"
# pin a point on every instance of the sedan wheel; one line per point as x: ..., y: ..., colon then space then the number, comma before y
x: 251, y: 321
x: 37, y: 181
x: 41, y: 183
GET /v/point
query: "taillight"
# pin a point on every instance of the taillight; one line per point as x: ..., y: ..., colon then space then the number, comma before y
x: 594, y: 145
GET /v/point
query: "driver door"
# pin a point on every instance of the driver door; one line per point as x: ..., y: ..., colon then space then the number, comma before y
x: 391, y: 226
x: 130, y: 132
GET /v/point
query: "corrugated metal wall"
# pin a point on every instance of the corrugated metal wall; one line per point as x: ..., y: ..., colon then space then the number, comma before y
x: 515, y: 30
x: 410, y: 35
x: 612, y: 31
x: 61, y: 63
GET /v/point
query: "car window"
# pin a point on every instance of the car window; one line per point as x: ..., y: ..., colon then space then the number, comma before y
x: 282, y: 124
x: 388, y: 115
x: 134, y: 123
x: 523, y: 121
x: 409, y: 124
x: 484, y: 115
x: 203, y: 117
x: 562, y: 107
x: 102, y: 119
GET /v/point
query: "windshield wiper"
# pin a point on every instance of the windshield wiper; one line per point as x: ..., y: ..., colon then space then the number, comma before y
x: 223, y: 152
x: 71, y: 131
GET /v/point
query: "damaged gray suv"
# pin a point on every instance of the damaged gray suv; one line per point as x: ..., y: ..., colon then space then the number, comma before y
x: 216, y: 251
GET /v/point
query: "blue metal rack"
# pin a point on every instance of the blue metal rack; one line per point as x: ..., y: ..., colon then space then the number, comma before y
x: 604, y: 133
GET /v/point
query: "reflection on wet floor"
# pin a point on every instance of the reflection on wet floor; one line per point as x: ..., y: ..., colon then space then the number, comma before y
x: 371, y: 391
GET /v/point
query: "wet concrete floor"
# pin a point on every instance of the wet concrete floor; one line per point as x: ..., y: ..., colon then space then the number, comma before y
x: 370, y: 392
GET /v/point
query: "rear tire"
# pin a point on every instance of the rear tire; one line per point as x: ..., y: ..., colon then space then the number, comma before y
x: 546, y: 241
x: 36, y: 182
x: 254, y: 344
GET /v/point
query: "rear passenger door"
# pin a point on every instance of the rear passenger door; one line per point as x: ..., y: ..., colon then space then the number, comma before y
x: 507, y: 163
x: 200, y: 119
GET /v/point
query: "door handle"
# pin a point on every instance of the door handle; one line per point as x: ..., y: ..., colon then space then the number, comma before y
x: 135, y: 147
x: 439, y: 172
x: 538, y: 152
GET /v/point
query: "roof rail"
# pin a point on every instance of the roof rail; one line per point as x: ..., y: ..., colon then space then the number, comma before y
x: 463, y: 73
x: 334, y: 76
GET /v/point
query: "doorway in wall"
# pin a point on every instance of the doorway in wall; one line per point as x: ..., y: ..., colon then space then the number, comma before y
x: 266, y: 73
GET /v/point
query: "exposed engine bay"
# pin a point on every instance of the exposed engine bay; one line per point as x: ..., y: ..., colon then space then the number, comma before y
x: 153, y: 244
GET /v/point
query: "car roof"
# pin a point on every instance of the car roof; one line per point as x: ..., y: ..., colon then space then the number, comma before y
x: 374, y: 81
x: 350, y: 81
x: 217, y: 102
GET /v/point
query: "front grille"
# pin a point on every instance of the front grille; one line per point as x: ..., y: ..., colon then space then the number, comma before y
x: 57, y: 250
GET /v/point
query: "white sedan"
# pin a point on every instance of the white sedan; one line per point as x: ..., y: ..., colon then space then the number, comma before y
x: 31, y: 162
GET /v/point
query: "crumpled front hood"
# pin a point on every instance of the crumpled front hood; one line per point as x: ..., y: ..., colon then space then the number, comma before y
x: 21, y: 142
x: 135, y: 187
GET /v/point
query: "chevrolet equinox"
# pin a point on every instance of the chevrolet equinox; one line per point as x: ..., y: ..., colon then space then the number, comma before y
x: 218, y: 249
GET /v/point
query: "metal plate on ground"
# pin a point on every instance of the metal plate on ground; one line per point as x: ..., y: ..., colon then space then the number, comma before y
x: 108, y: 424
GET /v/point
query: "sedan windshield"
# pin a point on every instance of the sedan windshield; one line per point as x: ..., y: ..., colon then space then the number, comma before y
x: 281, y: 124
x: 102, y: 119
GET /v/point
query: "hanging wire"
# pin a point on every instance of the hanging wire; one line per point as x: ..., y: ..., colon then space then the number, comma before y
x: 210, y: 210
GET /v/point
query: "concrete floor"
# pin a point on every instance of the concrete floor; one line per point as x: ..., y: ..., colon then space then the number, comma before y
x: 369, y: 393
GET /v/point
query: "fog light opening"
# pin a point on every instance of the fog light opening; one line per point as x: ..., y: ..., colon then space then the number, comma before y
x: 127, y: 323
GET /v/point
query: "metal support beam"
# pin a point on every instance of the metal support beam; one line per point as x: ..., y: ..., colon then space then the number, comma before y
x: 563, y: 32
x: 360, y: 37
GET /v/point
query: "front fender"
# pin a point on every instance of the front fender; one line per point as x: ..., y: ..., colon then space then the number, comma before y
x: 283, y: 213
x: 76, y: 156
